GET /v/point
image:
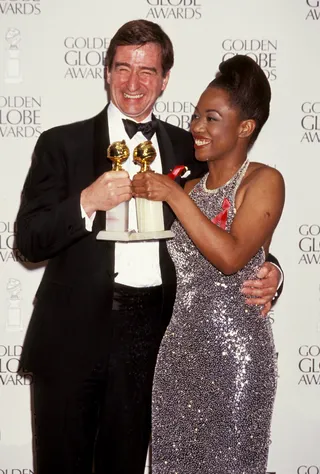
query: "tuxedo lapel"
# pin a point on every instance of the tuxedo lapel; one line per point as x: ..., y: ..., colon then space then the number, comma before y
x: 101, y: 142
x: 166, y: 149
x: 169, y: 161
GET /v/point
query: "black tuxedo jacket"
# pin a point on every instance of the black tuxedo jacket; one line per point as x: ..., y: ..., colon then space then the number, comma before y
x: 70, y: 319
x: 69, y: 324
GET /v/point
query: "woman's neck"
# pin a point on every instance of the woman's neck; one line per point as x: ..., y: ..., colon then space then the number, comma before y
x: 221, y: 170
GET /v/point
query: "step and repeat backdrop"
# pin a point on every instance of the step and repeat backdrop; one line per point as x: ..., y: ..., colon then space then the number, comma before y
x: 51, y: 72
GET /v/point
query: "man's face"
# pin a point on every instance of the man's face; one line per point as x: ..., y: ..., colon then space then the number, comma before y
x: 136, y: 79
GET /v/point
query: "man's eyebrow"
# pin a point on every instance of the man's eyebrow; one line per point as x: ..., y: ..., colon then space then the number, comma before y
x: 118, y: 63
x: 148, y: 68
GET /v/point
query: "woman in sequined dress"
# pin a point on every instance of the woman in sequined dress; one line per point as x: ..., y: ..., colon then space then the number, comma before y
x: 215, y: 377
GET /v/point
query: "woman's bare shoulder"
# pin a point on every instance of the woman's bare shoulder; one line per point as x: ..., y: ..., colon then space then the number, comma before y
x: 260, y: 176
x: 260, y: 171
x: 191, y: 184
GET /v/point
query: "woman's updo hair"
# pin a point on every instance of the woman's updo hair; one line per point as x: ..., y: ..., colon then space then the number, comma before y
x: 248, y: 89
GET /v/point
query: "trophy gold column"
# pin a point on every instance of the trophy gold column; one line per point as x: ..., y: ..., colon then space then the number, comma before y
x: 149, y: 213
x: 118, y: 217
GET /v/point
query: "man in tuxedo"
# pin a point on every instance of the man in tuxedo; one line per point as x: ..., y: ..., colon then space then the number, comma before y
x: 101, y: 308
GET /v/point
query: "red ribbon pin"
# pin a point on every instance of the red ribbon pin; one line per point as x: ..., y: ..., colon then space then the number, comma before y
x: 178, y: 171
x: 221, y: 219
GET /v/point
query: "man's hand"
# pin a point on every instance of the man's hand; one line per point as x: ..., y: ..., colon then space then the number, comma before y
x: 262, y: 290
x: 109, y: 190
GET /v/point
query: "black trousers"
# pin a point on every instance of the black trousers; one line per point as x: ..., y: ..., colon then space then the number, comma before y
x: 102, y: 422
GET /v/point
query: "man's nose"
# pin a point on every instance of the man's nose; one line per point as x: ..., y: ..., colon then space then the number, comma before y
x: 133, y: 81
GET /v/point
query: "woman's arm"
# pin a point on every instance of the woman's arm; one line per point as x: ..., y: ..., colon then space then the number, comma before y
x: 252, y: 227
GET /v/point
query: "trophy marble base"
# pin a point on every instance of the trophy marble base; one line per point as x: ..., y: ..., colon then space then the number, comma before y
x: 133, y: 236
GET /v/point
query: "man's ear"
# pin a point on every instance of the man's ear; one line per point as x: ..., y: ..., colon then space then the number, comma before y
x: 165, y: 81
x: 247, y: 128
x: 107, y: 75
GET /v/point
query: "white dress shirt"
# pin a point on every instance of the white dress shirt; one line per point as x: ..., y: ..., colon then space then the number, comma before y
x: 136, y: 263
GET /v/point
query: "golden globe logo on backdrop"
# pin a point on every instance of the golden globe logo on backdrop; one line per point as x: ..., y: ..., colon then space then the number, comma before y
x: 271, y: 316
x: 309, y: 244
x: 16, y: 471
x: 305, y: 469
x: 8, y: 250
x: 309, y: 365
x: 313, y: 9
x: 84, y: 57
x: 173, y: 10
x: 20, y: 116
x: 310, y: 122
x: 263, y: 51
x: 13, y: 316
x: 174, y: 112
x: 12, y: 59
x: 9, y: 361
x: 25, y: 7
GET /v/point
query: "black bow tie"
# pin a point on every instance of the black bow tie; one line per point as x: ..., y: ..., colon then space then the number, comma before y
x: 147, y: 128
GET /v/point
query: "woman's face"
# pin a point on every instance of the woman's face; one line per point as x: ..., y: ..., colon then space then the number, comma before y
x: 215, y: 125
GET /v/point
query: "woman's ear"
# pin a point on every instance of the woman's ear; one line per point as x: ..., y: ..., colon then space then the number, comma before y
x: 247, y: 128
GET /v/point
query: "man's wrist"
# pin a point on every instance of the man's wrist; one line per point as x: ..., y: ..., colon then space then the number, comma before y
x: 281, y: 277
x: 276, y: 295
x: 85, y: 204
x: 88, y: 220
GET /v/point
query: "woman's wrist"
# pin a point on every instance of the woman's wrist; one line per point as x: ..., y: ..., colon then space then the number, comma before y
x: 175, y: 193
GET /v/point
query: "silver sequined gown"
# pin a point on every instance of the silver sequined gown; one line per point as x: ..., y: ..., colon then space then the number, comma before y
x: 215, y: 378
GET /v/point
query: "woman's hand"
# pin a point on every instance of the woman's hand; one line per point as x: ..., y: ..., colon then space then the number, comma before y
x: 154, y: 186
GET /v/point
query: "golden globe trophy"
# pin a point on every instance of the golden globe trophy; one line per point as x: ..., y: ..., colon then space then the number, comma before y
x: 117, y: 219
x: 149, y: 213
x: 118, y: 153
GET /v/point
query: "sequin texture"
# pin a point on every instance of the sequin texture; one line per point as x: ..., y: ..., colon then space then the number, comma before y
x: 215, y: 378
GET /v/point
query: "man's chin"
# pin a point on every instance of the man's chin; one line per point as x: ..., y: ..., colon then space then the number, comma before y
x: 135, y: 114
